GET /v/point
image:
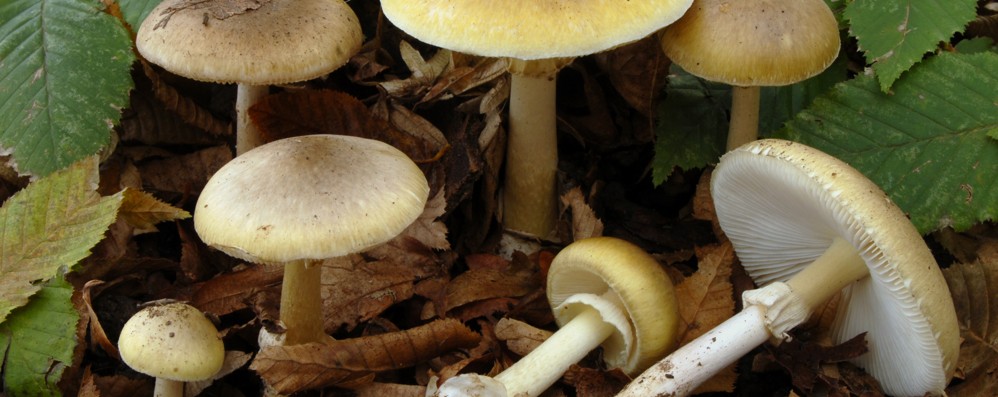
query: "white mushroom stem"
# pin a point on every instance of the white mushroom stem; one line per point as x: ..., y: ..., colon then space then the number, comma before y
x: 529, y: 204
x: 247, y: 134
x: 168, y: 388
x: 769, y: 312
x: 301, y: 303
x: 744, y: 125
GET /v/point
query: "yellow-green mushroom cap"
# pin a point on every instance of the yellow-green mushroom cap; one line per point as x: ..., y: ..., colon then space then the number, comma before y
x: 174, y: 341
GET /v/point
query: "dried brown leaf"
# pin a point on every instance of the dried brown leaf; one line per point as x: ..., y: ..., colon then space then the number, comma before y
x: 585, y: 223
x: 589, y: 382
x: 428, y: 229
x: 149, y: 122
x: 707, y: 301
x: 183, y: 107
x: 424, y: 72
x: 974, y: 287
x: 143, y: 211
x: 289, y: 369
x: 377, y: 389
x: 638, y: 72
x: 521, y: 338
x: 184, y: 173
x: 460, y: 79
x: 804, y: 358
x: 514, y: 280
x: 229, y: 292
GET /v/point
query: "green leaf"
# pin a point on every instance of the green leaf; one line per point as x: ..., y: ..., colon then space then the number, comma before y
x: 64, y: 76
x: 136, y: 11
x: 929, y: 145
x: 895, y: 34
x: 40, y: 339
x: 51, y: 224
x: 693, y: 124
x: 779, y: 104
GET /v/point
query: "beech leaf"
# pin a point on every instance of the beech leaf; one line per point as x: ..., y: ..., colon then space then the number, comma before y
x: 973, y: 287
x: 289, y: 369
x: 142, y: 211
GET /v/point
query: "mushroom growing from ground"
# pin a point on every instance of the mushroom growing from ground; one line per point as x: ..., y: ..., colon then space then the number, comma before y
x: 282, y: 41
x: 749, y: 44
x: 538, y: 38
x: 173, y: 342
x: 604, y: 292
x: 300, y: 200
x: 807, y: 226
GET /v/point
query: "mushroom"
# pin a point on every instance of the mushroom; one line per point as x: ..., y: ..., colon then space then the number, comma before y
x: 538, y: 38
x: 300, y: 200
x: 807, y: 226
x: 749, y: 44
x: 605, y: 292
x: 173, y: 342
x: 282, y: 41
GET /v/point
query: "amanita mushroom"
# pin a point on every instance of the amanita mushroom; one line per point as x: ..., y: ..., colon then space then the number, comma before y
x: 175, y: 343
x: 282, y: 41
x: 605, y: 292
x: 297, y: 201
x: 807, y: 226
x: 538, y: 37
x: 749, y: 44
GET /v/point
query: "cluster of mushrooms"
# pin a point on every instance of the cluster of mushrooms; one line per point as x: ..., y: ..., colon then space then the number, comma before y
x: 806, y: 226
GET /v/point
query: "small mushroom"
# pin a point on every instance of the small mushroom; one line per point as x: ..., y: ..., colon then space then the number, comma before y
x: 604, y: 292
x: 282, y: 41
x: 538, y: 37
x: 300, y: 200
x: 807, y: 226
x: 749, y: 44
x: 173, y: 342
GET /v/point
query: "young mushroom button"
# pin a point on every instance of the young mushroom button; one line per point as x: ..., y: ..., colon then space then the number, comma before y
x: 807, y: 226
x: 175, y: 343
x: 604, y: 292
x: 538, y: 37
x: 298, y: 201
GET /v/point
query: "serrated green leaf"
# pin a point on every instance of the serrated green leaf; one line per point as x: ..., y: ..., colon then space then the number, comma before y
x: 50, y: 224
x: 41, y: 338
x: 928, y: 145
x: 693, y: 124
x: 64, y: 76
x: 136, y: 11
x: 779, y: 104
x: 894, y: 34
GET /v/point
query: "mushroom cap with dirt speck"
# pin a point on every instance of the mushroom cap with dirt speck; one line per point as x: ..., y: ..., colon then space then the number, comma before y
x: 174, y: 341
x: 754, y: 43
x: 283, y: 41
x: 649, y: 324
x: 534, y: 29
x: 782, y: 204
x: 310, y: 197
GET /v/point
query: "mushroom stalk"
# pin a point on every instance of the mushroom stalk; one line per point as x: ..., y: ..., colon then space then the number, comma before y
x: 744, y: 125
x: 529, y: 204
x: 769, y: 311
x: 301, y: 302
x: 168, y: 388
x: 535, y: 372
x: 247, y: 134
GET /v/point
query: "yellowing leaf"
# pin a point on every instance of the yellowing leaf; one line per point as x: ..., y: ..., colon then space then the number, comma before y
x: 142, y: 211
x: 52, y: 223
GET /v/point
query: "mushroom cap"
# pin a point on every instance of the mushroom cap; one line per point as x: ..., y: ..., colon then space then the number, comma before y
x: 614, y: 268
x: 310, y: 197
x: 531, y: 29
x: 174, y: 341
x: 754, y: 43
x: 782, y: 204
x: 283, y: 41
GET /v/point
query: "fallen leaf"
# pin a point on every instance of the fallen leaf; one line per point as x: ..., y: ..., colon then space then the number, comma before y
x: 585, y: 223
x: 428, y: 229
x: 803, y: 358
x: 973, y: 287
x: 424, y: 72
x: 521, y: 338
x: 149, y: 122
x: 183, y: 174
x: 290, y: 369
x: 231, y: 291
x: 589, y: 382
x: 499, y: 285
x: 638, y: 72
x: 143, y: 211
x: 378, y: 389
x: 707, y: 301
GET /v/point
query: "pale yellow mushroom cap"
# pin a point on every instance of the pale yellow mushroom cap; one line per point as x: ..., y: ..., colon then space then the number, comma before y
x: 310, y: 198
x: 783, y: 203
x: 754, y: 43
x: 174, y: 341
x: 619, y: 272
x: 531, y: 29
x: 283, y: 41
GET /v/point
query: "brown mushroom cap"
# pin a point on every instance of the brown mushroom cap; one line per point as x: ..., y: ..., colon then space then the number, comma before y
x: 782, y: 204
x: 531, y: 29
x: 618, y: 271
x: 310, y: 197
x: 754, y: 43
x: 174, y: 341
x: 283, y: 41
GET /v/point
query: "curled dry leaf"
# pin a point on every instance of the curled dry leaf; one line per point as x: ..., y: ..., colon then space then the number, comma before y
x: 707, y: 301
x: 804, y: 358
x: 973, y: 287
x: 186, y: 173
x: 183, y: 107
x: 489, y: 289
x: 424, y: 72
x: 143, y: 211
x: 290, y: 369
x: 585, y: 223
x: 521, y: 338
x: 229, y: 292
x: 149, y: 122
